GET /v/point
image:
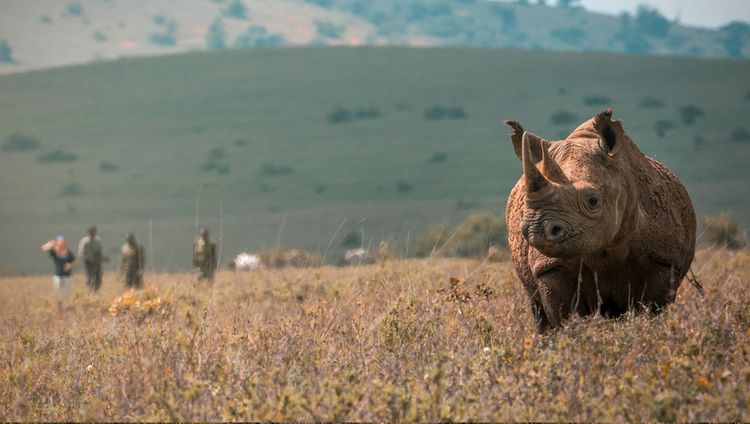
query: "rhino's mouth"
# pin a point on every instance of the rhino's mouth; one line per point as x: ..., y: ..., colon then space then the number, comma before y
x: 546, y: 265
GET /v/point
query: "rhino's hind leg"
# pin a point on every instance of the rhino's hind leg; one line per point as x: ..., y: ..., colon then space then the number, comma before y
x: 659, y: 288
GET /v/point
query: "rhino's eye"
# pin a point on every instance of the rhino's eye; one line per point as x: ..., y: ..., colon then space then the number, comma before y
x: 594, y: 202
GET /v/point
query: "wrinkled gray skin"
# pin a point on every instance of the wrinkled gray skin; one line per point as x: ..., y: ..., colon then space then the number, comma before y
x: 595, y: 225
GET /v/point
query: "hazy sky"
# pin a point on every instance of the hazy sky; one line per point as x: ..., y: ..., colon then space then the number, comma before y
x: 706, y: 13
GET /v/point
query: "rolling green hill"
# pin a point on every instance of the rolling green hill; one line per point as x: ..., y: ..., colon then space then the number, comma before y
x: 300, y: 146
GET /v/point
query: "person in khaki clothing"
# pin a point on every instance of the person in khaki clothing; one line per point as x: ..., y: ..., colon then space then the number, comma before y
x: 90, y: 251
x: 132, y: 263
x: 204, y: 257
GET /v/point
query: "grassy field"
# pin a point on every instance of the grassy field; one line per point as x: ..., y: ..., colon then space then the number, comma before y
x: 301, y: 146
x: 386, y: 342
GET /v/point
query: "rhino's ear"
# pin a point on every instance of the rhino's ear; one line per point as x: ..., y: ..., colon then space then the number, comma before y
x: 516, y: 136
x: 613, y: 136
x: 535, y: 142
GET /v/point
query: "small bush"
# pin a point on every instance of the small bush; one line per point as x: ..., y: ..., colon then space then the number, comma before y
x: 163, y: 39
x: 699, y: 141
x: 721, y: 231
x: 462, y: 204
x: 72, y: 189
x: 471, y: 239
x: 241, y: 143
x: 403, y: 186
x: 270, y: 170
x: 662, y: 126
x: 438, y: 112
x: 597, y: 100
x: 319, y: 188
x: 339, y: 115
x: 562, y: 117
x: 284, y: 257
x: 216, y: 153
x: 258, y: 36
x: 17, y: 142
x: 690, y: 113
x: 99, y: 36
x: 74, y: 9
x: 367, y: 113
x: 740, y: 135
x: 573, y: 36
x: 352, y: 239
x: 56, y: 156
x: 328, y: 29
x: 652, y: 103
x: 105, y: 166
x: 438, y: 157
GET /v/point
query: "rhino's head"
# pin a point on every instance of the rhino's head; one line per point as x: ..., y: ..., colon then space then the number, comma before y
x: 576, y: 189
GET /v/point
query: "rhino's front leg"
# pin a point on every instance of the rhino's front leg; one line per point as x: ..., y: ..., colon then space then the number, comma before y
x: 658, y: 288
x: 557, y: 292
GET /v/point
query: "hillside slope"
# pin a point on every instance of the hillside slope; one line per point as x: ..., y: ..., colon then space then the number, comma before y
x: 287, y: 146
x: 38, y: 34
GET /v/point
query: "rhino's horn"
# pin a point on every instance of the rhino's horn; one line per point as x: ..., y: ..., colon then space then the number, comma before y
x: 550, y: 168
x: 535, y: 181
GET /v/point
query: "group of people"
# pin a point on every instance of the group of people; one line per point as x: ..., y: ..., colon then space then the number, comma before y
x: 132, y: 261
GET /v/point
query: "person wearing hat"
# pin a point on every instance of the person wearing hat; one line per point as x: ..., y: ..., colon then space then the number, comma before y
x: 63, y: 260
x: 90, y: 251
x: 132, y: 263
x: 204, y: 257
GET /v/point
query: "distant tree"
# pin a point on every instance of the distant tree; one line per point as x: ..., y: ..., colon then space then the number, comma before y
x: 322, y: 3
x: 562, y: 117
x: 438, y: 157
x: 216, y: 37
x: 734, y: 36
x: 403, y: 186
x: 573, y: 36
x: 352, y: 239
x: 236, y: 9
x: 339, y: 115
x: 506, y: 13
x: 651, y: 102
x: 56, y: 156
x: 567, y: 3
x: 740, y: 135
x: 17, y: 142
x: 72, y: 189
x: 597, y: 100
x: 168, y: 36
x: 690, y: 113
x: 106, y: 166
x: 99, y: 36
x: 258, y: 36
x: 650, y: 21
x: 6, y: 53
x: 328, y: 29
x: 662, y: 126
x: 74, y: 9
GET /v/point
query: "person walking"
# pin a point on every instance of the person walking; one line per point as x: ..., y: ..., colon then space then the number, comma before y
x: 132, y: 263
x: 63, y: 260
x: 204, y: 257
x: 90, y: 251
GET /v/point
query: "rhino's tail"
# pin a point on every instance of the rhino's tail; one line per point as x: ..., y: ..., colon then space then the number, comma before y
x: 694, y: 281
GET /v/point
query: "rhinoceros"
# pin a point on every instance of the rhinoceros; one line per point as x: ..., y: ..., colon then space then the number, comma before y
x: 595, y: 225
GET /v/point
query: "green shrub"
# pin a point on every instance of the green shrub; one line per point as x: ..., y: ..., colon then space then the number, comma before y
x: 690, y: 113
x: 651, y: 102
x: 721, y: 231
x: 470, y: 239
x: 597, y: 100
x: 662, y: 126
x: 105, y: 166
x: 339, y: 115
x: 17, y: 142
x: 72, y: 189
x: 270, y: 170
x: 438, y: 157
x: 403, y: 186
x: 562, y: 117
x: 56, y: 156
x: 740, y: 135
x: 6, y: 53
x: 236, y: 9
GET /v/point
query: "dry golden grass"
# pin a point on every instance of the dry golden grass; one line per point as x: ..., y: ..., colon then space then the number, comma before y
x: 393, y: 341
